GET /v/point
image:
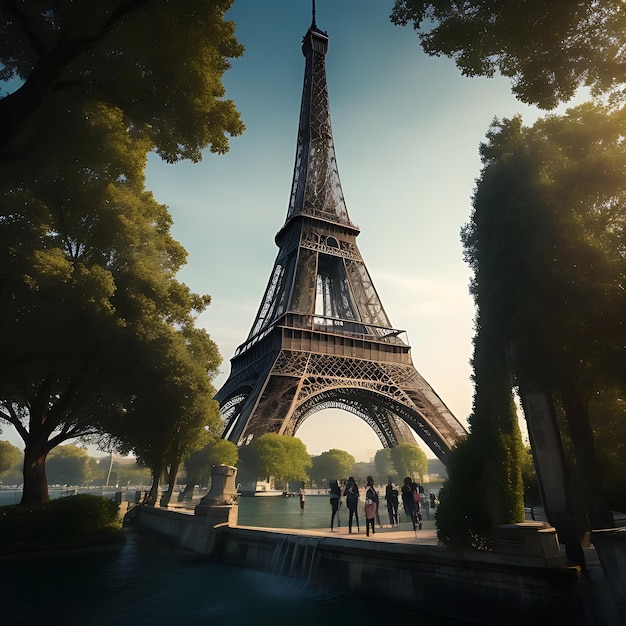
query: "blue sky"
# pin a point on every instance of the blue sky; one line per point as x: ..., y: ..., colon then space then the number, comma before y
x: 406, y: 127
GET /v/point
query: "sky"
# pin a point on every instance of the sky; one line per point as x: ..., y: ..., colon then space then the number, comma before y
x: 407, y: 129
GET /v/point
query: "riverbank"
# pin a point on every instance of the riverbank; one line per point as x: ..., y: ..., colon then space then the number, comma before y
x: 528, y: 581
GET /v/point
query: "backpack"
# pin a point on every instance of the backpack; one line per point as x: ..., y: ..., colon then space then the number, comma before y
x: 416, y: 497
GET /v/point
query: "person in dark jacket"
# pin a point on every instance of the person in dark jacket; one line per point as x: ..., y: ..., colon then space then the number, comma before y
x: 335, y: 496
x: 352, y: 501
x: 391, y: 496
x: 410, y: 500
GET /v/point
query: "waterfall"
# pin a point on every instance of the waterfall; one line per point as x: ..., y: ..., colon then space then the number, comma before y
x: 293, y: 556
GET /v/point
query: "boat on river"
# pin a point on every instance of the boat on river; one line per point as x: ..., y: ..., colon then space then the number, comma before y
x: 258, y: 488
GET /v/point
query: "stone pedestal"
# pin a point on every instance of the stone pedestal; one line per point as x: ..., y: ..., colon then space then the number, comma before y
x: 218, y: 509
x: 536, y: 540
x: 223, y: 491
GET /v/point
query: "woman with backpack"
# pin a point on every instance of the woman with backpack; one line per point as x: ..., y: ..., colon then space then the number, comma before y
x: 371, y: 506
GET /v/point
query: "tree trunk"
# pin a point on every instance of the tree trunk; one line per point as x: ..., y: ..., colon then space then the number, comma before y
x: 35, y: 480
x: 167, y: 495
x: 554, y: 481
x: 192, y: 480
x: 154, y: 489
x: 577, y: 411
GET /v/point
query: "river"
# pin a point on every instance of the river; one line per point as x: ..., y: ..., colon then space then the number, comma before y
x: 148, y: 582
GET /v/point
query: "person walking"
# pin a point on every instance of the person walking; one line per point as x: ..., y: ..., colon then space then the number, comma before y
x: 391, y: 497
x: 302, y: 496
x: 409, y: 492
x: 335, y: 496
x: 371, y: 504
x: 352, y: 501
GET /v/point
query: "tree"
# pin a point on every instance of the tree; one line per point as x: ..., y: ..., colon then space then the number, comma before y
x: 546, y: 244
x: 167, y: 417
x: 73, y: 56
x: 608, y: 418
x: 529, y: 476
x: 384, y: 464
x: 332, y: 464
x: 88, y: 289
x: 68, y: 465
x: 200, y: 463
x: 123, y: 471
x: 409, y: 460
x: 87, y: 262
x: 485, y: 488
x: 271, y: 455
x: 10, y: 456
x: 548, y: 49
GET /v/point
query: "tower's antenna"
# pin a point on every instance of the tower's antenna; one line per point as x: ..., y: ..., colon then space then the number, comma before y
x: 313, y: 23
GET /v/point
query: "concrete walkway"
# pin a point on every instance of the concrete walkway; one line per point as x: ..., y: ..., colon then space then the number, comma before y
x: 402, y: 534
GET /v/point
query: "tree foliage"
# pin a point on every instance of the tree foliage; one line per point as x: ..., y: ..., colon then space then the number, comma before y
x: 547, y: 49
x: 88, y: 282
x: 199, y: 464
x: 331, y: 465
x: 158, y: 64
x: 87, y: 262
x: 68, y: 465
x: 271, y: 455
x: 10, y: 456
x: 529, y: 476
x: 546, y: 243
x: 166, y: 420
x: 409, y: 460
x: 608, y: 418
x: 120, y: 471
x: 384, y: 465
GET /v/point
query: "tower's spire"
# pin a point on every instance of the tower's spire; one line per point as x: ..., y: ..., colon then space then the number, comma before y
x: 316, y: 189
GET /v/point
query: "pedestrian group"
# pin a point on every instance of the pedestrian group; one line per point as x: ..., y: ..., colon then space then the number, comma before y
x: 410, y: 494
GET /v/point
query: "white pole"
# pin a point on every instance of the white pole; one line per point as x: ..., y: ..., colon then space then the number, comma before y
x: 109, y: 472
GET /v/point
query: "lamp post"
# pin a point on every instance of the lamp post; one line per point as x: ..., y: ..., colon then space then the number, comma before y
x: 109, y: 472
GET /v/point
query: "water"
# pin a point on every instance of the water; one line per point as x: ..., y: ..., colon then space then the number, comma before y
x: 148, y: 582
x: 277, y: 512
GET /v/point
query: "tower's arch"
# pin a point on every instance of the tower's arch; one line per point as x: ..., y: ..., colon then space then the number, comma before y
x: 390, y: 419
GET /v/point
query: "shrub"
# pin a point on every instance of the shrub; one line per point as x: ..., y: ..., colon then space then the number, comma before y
x: 60, y: 521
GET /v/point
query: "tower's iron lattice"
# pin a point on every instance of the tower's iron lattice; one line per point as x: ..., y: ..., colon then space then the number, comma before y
x: 321, y: 338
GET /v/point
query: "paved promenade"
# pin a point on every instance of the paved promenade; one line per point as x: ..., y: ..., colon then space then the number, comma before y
x: 401, y: 534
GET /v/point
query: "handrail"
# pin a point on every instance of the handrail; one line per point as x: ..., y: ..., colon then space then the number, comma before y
x: 305, y: 321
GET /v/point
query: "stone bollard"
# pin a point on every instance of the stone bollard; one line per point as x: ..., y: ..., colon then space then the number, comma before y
x: 218, y: 509
x: 223, y: 488
x: 531, y: 540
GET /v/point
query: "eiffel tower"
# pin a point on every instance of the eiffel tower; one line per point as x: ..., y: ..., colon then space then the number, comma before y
x: 321, y: 338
